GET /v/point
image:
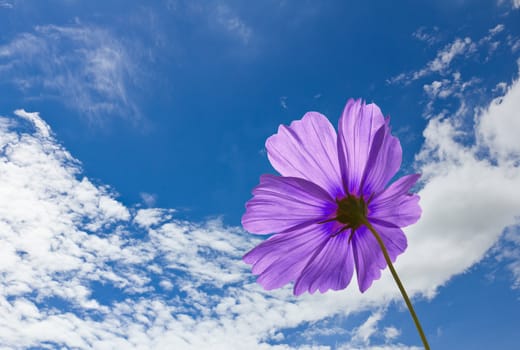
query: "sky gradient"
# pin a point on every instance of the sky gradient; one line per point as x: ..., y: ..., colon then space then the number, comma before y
x: 131, y: 135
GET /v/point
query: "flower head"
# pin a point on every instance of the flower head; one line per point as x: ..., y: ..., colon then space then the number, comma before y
x: 329, y: 185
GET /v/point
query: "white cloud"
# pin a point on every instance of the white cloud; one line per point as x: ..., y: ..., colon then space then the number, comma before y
x: 232, y: 23
x: 283, y: 102
x: 438, y: 89
x: 84, y: 67
x: 499, y: 125
x: 151, y: 217
x: 508, y: 252
x: 490, y: 41
x: 6, y: 4
x: 364, y: 332
x: 468, y: 199
x: 391, y: 333
x: 424, y: 35
x: 513, y: 42
x: 79, y: 269
x: 148, y: 198
x: 460, y: 47
x: 221, y: 19
x: 362, y: 336
x: 497, y: 29
x: 516, y: 4
x: 501, y: 88
x: 453, y: 87
x: 443, y: 61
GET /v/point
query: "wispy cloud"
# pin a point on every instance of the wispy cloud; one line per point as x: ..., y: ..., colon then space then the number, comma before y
x: 216, y: 18
x: 362, y: 336
x: 513, y: 43
x: 149, y: 199
x: 497, y: 29
x: 490, y: 40
x: 441, y: 63
x: 283, y: 102
x: 429, y: 37
x: 83, y: 67
x: 391, y: 333
x: 232, y: 23
x: 6, y: 4
x: 449, y: 88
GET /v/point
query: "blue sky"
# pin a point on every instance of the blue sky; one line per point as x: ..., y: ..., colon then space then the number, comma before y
x: 132, y: 134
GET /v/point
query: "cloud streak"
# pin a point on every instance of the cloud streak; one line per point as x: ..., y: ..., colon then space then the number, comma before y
x: 444, y: 58
x: 85, y: 67
x: 441, y: 63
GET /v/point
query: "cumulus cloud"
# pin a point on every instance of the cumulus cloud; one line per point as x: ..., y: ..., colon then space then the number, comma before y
x: 499, y: 125
x: 85, y: 67
x: 471, y: 211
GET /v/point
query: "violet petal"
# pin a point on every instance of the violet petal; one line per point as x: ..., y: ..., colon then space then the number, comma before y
x: 383, y: 162
x: 331, y: 267
x: 281, y: 258
x: 307, y: 149
x: 283, y: 203
x: 369, y: 258
x: 356, y: 130
x: 395, y: 205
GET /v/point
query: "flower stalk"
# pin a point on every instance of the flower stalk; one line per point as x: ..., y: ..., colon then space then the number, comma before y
x: 399, y: 284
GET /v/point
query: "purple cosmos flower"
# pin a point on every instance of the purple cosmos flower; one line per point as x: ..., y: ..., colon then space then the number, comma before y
x: 329, y: 185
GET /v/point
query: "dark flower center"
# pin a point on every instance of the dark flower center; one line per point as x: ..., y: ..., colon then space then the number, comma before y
x: 351, y: 212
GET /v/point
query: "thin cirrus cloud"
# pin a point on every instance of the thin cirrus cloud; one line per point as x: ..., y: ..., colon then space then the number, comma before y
x: 232, y: 23
x: 449, y: 92
x: 444, y: 58
x: 442, y: 61
x: 6, y: 4
x: 82, y: 270
x: 221, y: 18
x: 85, y: 67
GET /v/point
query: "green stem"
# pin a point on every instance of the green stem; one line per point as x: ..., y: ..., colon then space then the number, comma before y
x: 399, y: 284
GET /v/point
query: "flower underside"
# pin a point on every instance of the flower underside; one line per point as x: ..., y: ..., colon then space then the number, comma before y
x: 351, y: 212
x: 333, y: 187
